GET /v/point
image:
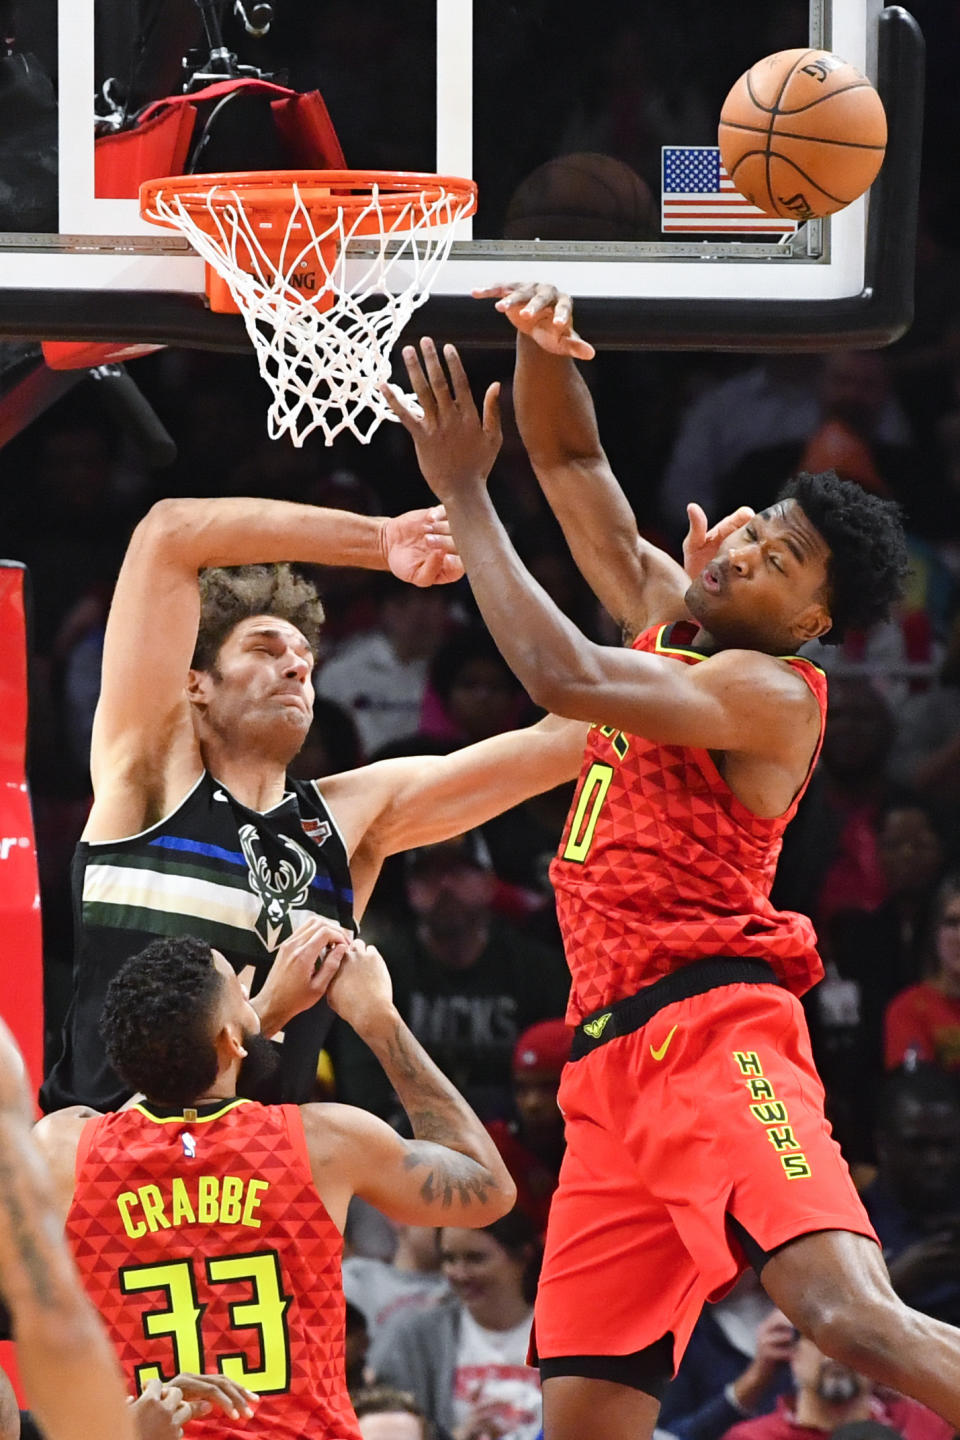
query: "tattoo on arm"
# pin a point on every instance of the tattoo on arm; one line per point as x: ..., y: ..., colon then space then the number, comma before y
x: 450, y: 1177
x: 19, y: 1215
x: 438, y: 1116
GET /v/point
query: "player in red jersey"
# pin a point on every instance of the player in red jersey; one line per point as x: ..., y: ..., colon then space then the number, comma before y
x: 207, y: 1228
x: 69, y: 1370
x: 696, y: 1139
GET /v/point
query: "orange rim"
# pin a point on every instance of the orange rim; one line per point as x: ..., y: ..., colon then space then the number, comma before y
x: 323, y: 192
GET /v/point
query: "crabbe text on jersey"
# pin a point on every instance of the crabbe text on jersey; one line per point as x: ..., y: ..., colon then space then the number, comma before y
x: 201, y: 1200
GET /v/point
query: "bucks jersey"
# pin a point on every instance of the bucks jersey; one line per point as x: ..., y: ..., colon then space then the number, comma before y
x: 660, y: 863
x: 232, y: 876
x: 201, y: 1240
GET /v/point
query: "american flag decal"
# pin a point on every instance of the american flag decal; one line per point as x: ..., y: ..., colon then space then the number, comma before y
x: 698, y: 196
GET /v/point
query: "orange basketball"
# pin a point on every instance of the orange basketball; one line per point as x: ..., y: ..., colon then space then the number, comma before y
x: 802, y: 134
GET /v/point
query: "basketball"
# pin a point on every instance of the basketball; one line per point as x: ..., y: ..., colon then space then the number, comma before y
x: 802, y: 134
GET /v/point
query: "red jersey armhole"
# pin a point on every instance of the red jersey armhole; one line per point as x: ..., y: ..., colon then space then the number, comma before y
x: 84, y: 1143
x: 293, y: 1121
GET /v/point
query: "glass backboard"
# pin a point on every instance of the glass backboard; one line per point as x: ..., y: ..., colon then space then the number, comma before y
x: 523, y: 98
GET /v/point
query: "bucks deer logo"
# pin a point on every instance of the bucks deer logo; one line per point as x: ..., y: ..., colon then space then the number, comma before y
x: 279, y: 891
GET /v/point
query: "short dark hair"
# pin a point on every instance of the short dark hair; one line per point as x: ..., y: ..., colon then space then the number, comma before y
x: 156, y: 1020
x: 386, y: 1400
x: 868, y: 552
x: 229, y: 595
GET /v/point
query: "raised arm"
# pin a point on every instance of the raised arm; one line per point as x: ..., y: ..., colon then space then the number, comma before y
x: 451, y: 1172
x: 69, y: 1370
x: 739, y: 701
x: 142, y: 727
x: 393, y: 805
x: 636, y: 582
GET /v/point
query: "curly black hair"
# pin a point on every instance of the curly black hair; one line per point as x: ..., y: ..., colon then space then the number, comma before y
x: 156, y: 1020
x: 229, y: 595
x: 868, y: 553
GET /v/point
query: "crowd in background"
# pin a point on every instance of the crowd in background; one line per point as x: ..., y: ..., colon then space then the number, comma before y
x: 468, y: 929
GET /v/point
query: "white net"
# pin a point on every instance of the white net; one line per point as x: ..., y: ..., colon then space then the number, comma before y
x: 324, y: 366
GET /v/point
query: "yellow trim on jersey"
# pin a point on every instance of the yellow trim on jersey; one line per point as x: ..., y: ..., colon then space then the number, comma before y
x: 804, y: 661
x: 661, y: 649
x: 182, y: 1120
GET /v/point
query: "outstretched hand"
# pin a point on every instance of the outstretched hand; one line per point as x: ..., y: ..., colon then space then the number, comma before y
x: 455, y: 447
x: 544, y: 313
x: 418, y: 548
x: 701, y: 544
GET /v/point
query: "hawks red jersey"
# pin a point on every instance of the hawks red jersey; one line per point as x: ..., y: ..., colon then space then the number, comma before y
x: 661, y: 864
x: 202, y: 1241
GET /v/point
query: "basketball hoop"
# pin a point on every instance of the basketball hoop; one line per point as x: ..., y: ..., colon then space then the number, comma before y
x: 326, y: 267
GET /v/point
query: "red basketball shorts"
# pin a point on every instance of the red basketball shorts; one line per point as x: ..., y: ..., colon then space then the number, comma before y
x: 712, y: 1109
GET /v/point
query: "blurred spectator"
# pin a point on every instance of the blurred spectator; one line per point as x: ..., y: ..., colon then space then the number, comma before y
x: 742, y: 437
x: 380, y: 676
x: 734, y: 1366
x: 472, y: 691
x: 467, y: 982
x: 831, y: 854
x: 332, y: 743
x: 381, y: 1290
x: 914, y: 1200
x: 387, y: 1414
x: 532, y: 1143
x: 827, y: 1395
x: 357, y: 1346
x: 926, y: 755
x: 923, y: 1022
x: 465, y: 1359
x: 522, y: 842
x: 873, y: 955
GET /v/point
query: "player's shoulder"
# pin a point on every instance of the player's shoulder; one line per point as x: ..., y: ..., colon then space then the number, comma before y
x: 61, y: 1129
x: 756, y: 680
x: 328, y: 1126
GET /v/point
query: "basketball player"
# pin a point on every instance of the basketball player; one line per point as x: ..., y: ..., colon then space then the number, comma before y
x: 69, y: 1369
x: 696, y: 1139
x: 206, y: 695
x: 208, y: 1229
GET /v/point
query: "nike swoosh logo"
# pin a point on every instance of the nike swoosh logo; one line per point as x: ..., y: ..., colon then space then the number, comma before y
x: 659, y: 1053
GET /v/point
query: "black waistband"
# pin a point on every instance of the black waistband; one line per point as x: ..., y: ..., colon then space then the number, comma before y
x: 625, y: 1016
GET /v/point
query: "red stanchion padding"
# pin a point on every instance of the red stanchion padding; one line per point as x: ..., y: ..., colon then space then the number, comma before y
x: 21, y: 961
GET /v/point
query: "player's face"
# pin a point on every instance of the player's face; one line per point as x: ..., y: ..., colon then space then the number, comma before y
x: 261, y: 688
x: 236, y: 998
x: 766, y: 587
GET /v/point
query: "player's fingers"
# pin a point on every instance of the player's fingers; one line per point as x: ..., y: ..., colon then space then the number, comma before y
x: 543, y: 298
x: 398, y: 405
x: 325, y: 974
x: 445, y: 543
x: 438, y: 522
x: 461, y: 383
x: 420, y: 383
x: 488, y: 292
x: 516, y: 295
x: 697, y: 520
x: 436, y: 376
x: 574, y: 344
x: 451, y: 570
x: 491, y: 412
x: 729, y: 523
